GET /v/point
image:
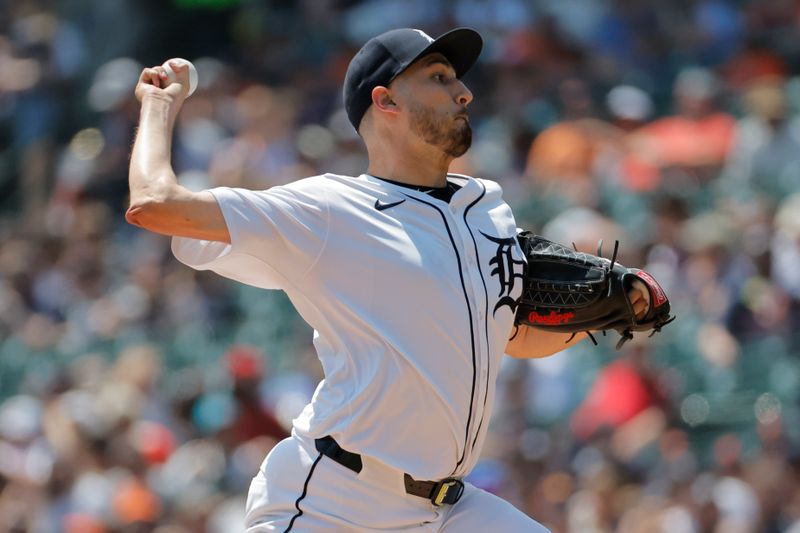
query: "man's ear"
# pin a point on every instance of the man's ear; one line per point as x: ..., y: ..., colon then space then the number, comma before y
x: 382, y: 99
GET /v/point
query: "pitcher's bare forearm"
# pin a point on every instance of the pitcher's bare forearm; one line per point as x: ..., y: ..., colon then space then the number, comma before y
x: 532, y: 343
x: 151, y: 178
x: 158, y: 202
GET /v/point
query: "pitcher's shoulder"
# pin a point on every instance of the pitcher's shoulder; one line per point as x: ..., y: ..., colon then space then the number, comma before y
x: 326, y: 180
x: 320, y: 185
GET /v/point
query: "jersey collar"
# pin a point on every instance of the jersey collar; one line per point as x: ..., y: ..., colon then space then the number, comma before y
x: 468, y: 192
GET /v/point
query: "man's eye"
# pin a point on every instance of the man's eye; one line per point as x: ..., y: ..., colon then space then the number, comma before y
x: 439, y: 77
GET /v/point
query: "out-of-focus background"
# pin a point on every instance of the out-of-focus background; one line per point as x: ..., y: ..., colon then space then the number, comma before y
x: 138, y: 395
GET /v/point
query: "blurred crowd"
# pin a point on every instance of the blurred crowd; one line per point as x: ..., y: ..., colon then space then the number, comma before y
x: 138, y: 395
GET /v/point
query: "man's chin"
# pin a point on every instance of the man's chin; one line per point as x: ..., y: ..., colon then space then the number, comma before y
x: 465, y: 142
x: 458, y: 151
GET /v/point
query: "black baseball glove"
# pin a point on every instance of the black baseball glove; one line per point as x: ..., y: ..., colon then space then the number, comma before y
x: 568, y: 291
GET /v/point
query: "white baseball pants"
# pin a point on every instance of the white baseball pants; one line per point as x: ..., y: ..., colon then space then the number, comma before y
x: 298, y: 489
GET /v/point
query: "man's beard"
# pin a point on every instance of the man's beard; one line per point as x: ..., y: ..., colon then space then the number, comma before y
x: 453, y: 137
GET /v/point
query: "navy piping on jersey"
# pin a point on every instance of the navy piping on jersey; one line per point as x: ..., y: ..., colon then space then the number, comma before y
x: 471, y: 327
x: 303, y: 495
x: 485, y: 316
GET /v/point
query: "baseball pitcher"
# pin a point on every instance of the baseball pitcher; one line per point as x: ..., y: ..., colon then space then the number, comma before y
x: 411, y: 278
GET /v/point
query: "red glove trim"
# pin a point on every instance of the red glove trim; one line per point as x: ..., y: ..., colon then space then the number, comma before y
x: 656, y: 292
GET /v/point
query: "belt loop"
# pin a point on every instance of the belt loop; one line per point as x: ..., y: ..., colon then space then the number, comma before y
x: 328, y: 447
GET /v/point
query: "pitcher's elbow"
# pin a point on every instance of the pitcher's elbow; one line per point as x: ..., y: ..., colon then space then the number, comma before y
x: 143, y: 215
x: 132, y: 215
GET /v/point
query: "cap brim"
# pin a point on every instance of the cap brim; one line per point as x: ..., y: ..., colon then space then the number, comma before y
x: 461, y: 47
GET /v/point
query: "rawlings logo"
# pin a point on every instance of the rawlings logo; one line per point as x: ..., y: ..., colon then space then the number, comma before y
x: 655, y: 289
x: 553, y: 319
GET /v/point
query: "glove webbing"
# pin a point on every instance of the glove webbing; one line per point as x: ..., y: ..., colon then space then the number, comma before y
x: 628, y: 335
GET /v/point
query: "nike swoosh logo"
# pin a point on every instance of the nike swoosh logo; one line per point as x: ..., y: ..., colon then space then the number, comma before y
x: 380, y: 206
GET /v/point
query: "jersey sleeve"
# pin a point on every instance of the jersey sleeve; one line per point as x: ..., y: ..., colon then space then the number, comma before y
x: 276, y: 235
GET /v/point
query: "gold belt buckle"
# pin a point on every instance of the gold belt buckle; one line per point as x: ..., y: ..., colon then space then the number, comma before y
x: 441, y: 494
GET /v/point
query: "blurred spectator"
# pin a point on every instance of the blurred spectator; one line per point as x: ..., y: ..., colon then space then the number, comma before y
x: 566, y: 152
x: 687, y: 149
x: 621, y: 392
x: 252, y: 418
x: 766, y: 149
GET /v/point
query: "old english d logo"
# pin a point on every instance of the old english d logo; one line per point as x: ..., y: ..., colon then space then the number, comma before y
x: 507, y: 269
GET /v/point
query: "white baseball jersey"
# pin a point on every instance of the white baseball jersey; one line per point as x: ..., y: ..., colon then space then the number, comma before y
x: 411, y: 298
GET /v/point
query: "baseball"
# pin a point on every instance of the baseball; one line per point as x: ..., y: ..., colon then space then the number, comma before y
x: 171, y: 76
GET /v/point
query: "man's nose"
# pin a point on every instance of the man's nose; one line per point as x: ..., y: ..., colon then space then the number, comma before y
x: 464, y: 95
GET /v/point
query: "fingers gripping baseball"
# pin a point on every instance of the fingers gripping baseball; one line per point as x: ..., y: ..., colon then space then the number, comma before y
x: 175, y: 80
x: 182, y: 72
x: 148, y: 84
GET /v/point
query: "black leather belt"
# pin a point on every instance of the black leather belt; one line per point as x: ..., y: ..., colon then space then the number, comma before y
x: 446, y: 491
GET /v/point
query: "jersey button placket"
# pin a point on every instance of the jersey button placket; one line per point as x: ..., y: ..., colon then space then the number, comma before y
x: 476, y: 293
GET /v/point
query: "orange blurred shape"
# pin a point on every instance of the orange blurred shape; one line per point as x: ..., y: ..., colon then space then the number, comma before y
x: 557, y: 487
x: 135, y: 502
x: 562, y: 151
x: 684, y: 141
x: 83, y: 523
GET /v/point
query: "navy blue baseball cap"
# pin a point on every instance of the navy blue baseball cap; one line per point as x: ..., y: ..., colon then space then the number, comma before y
x: 384, y: 57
